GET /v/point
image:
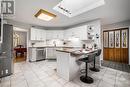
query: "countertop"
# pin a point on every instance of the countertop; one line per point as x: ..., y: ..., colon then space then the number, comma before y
x: 75, y: 51
x: 53, y: 47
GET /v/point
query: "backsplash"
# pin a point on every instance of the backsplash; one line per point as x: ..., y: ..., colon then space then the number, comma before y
x: 56, y: 42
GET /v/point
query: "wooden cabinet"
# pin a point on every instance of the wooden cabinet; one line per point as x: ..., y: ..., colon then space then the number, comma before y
x: 116, y: 45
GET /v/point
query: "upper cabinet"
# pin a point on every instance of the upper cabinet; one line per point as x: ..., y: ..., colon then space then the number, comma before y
x: 37, y: 34
x: 41, y: 34
x: 54, y: 34
x: 81, y: 32
x: 90, y: 31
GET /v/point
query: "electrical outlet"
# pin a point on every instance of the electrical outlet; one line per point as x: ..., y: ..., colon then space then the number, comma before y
x: 6, y: 71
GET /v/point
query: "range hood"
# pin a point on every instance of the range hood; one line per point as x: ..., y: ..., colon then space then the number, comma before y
x: 73, y: 8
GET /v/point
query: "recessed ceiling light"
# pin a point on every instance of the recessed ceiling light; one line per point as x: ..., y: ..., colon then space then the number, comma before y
x: 44, y: 15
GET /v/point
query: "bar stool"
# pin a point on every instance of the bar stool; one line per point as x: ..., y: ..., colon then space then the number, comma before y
x: 94, y: 68
x: 90, y: 58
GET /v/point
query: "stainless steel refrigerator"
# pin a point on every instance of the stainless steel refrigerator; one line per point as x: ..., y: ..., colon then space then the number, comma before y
x: 6, y: 51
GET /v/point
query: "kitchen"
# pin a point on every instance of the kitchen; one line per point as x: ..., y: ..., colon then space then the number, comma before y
x: 72, y: 37
x: 65, y: 43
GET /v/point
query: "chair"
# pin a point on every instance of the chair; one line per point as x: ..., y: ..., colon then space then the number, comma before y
x: 90, y: 58
x: 20, y: 49
x: 94, y: 68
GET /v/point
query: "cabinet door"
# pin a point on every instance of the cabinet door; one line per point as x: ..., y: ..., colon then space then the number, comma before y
x: 48, y: 34
x: 33, y: 54
x: 81, y: 32
x: 33, y: 34
x: 43, y: 35
x: 68, y: 33
x: 78, y: 32
x: 50, y: 53
x: 59, y: 34
x: 38, y: 34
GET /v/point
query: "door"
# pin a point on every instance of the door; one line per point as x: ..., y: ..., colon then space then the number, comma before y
x: 117, y: 49
x: 124, y: 46
x: 116, y: 45
x: 111, y: 45
x: 106, y: 48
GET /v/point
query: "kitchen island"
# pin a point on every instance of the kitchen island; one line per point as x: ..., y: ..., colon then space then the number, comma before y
x: 67, y: 64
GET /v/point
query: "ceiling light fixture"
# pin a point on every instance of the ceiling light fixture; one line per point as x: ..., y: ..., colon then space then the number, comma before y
x: 73, y: 8
x: 44, y: 15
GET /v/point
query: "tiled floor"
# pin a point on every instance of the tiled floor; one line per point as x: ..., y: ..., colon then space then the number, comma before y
x: 43, y: 74
x: 115, y: 65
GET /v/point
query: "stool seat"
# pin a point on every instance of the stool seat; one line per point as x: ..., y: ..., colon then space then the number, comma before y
x: 84, y: 59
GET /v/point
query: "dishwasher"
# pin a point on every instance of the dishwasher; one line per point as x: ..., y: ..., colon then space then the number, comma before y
x: 40, y: 54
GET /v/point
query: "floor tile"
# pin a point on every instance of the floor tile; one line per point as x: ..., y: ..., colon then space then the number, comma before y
x: 43, y: 74
x: 71, y: 84
x: 105, y: 84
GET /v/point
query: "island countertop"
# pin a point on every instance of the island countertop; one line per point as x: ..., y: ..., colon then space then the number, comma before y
x: 75, y: 51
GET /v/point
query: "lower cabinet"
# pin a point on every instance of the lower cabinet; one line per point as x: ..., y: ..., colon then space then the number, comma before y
x: 32, y: 54
x: 51, y: 53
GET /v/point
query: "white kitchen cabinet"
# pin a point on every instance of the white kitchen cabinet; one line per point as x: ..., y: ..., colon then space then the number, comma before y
x: 48, y: 34
x: 80, y: 32
x: 32, y: 54
x: 37, y: 34
x: 33, y: 34
x: 42, y: 35
x: 68, y: 33
x: 50, y: 53
x: 54, y: 34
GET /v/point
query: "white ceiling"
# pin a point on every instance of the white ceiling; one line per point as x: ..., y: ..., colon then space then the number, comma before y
x: 114, y: 11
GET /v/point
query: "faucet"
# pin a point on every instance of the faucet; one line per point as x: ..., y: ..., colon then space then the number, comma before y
x: 54, y: 42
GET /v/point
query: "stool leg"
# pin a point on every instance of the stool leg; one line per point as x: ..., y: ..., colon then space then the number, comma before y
x: 86, y: 78
x: 94, y: 68
x: 86, y: 75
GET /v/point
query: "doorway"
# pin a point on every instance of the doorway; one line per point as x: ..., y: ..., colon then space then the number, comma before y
x: 116, y: 45
x: 19, y: 44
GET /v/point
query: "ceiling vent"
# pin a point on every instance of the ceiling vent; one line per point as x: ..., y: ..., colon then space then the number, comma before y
x: 73, y: 8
